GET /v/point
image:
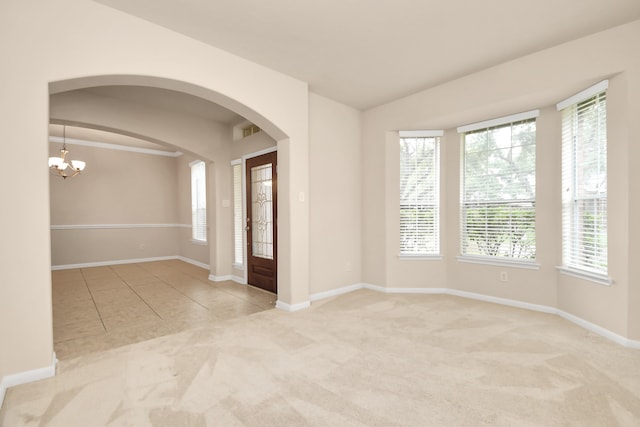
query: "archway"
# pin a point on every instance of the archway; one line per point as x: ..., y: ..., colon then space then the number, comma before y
x: 179, y: 86
x: 64, y: 48
x: 68, y: 86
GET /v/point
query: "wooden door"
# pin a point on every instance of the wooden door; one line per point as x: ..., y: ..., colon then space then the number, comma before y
x: 261, y: 222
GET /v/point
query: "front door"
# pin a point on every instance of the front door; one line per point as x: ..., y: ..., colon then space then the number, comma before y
x: 262, y: 219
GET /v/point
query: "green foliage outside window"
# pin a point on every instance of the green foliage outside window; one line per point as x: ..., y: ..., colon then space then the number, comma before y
x: 498, y: 191
x: 501, y: 230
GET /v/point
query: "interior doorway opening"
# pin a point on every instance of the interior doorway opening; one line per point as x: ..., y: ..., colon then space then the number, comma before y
x: 143, y: 236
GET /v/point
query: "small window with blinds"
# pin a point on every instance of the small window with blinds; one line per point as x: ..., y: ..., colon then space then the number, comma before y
x: 198, y: 201
x: 419, y: 193
x: 238, y: 230
x: 584, y: 181
x: 498, y: 189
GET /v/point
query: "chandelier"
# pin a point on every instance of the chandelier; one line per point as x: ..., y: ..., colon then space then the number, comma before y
x: 63, y: 167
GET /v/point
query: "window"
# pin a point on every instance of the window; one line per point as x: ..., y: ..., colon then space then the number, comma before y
x: 238, y: 229
x: 419, y: 193
x: 584, y: 180
x: 498, y: 188
x: 198, y: 201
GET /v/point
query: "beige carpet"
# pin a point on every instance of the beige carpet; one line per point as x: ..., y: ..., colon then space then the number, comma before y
x: 362, y: 359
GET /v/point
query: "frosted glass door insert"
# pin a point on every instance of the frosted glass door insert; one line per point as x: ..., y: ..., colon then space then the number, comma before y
x: 262, y: 211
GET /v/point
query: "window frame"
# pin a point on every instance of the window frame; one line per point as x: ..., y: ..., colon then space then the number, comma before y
x: 525, y: 205
x: 238, y: 214
x: 573, y: 110
x: 430, y: 230
x: 198, y: 170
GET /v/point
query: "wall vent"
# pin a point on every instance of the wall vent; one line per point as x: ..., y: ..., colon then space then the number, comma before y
x: 250, y: 130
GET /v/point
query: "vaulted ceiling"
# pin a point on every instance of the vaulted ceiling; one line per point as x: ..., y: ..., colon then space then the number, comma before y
x: 365, y: 53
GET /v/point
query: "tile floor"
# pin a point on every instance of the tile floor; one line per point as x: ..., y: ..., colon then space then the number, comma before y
x: 99, y: 308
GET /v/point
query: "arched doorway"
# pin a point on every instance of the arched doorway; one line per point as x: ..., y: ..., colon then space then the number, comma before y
x: 77, y: 107
x: 113, y: 44
x: 101, y: 118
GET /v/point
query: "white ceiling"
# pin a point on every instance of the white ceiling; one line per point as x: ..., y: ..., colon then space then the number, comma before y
x: 169, y: 100
x: 156, y: 98
x: 106, y: 137
x: 368, y: 52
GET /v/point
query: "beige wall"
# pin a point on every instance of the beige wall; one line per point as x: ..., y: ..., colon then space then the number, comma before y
x: 71, y: 43
x: 631, y: 162
x: 72, y: 247
x: 335, y: 200
x: 97, y: 45
x: 207, y: 139
x: 117, y: 187
x: 536, y: 81
x: 220, y: 215
x: 251, y: 144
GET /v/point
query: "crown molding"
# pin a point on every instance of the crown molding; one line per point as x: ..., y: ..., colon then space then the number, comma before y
x: 109, y: 146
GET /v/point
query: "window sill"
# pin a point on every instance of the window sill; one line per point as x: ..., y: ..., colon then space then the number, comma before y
x: 199, y: 242
x: 419, y: 257
x: 238, y: 266
x: 506, y: 262
x: 600, y: 279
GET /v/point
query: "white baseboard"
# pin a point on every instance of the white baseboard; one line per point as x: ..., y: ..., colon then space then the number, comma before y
x: 335, y: 292
x: 128, y: 261
x: 215, y: 278
x: 292, y: 307
x: 502, y: 301
x: 27, y: 377
x: 112, y: 262
x: 619, y: 339
x: 193, y: 262
x: 346, y: 289
x: 238, y: 279
x: 592, y: 327
x: 430, y: 291
x: 599, y: 330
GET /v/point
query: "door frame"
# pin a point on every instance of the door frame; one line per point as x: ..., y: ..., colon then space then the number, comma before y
x: 244, y: 207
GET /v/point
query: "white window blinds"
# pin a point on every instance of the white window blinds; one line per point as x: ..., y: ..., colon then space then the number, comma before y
x: 584, y: 180
x: 498, y: 191
x: 238, y: 230
x: 198, y: 201
x: 419, y: 195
